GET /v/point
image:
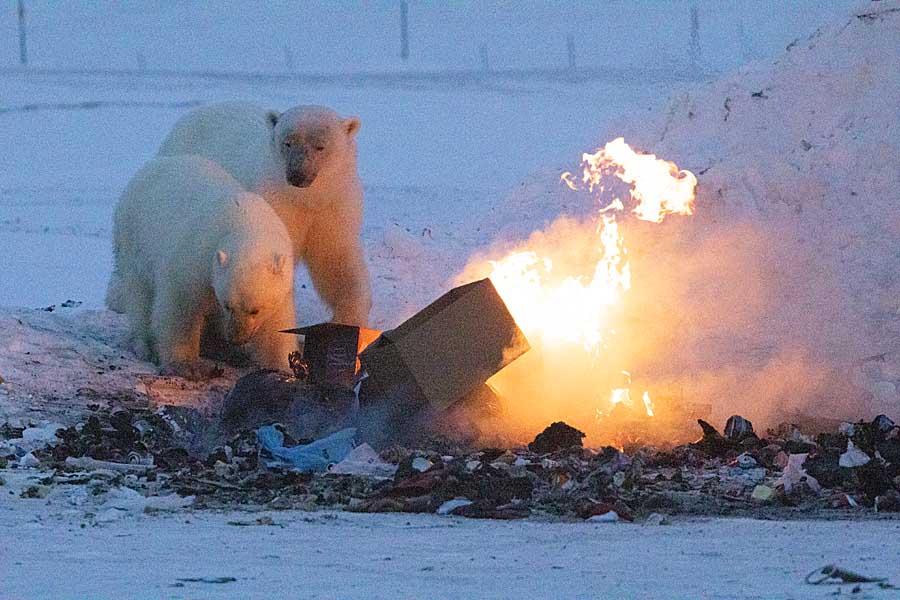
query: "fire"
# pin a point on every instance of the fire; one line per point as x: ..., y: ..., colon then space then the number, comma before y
x: 573, y: 310
x: 660, y: 188
x: 623, y: 396
x: 557, y: 309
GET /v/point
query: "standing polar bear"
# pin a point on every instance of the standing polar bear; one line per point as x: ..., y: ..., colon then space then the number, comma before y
x: 303, y: 162
x: 198, y: 256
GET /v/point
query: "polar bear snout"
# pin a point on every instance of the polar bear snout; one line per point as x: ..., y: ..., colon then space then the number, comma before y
x: 301, y: 172
x: 239, y: 331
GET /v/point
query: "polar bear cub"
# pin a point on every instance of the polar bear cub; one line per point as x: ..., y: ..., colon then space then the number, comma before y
x: 303, y: 162
x: 195, y: 255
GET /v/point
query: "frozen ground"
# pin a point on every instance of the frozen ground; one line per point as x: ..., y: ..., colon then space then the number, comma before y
x: 345, y: 555
x: 446, y: 166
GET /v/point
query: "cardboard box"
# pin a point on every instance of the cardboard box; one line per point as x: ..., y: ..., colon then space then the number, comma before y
x: 331, y: 349
x: 446, y: 350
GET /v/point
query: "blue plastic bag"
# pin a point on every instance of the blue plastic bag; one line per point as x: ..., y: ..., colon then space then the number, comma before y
x: 310, y: 457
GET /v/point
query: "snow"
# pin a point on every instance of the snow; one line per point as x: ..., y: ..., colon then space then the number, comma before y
x: 352, y: 37
x: 779, y: 296
x: 803, y: 175
x: 328, y: 555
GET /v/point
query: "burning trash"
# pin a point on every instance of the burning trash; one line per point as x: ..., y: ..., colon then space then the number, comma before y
x: 444, y: 351
x: 570, y: 297
x: 437, y: 360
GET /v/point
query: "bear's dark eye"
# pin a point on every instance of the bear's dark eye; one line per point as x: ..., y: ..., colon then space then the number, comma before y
x: 227, y: 307
x: 253, y: 312
x: 287, y: 144
x: 320, y: 147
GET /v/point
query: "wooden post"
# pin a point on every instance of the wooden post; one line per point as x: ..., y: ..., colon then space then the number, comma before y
x: 23, y: 47
x: 695, y: 38
x: 404, y: 29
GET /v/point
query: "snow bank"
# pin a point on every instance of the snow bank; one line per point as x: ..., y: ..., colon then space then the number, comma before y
x: 780, y: 296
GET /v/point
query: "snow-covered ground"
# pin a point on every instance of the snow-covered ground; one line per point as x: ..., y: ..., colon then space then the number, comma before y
x: 449, y: 164
x: 345, y: 555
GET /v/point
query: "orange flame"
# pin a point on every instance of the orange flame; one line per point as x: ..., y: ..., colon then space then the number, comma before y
x: 554, y: 309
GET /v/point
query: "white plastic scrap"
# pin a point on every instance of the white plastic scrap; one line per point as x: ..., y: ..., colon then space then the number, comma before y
x: 39, y: 437
x: 122, y: 500
x: 607, y: 517
x: 365, y: 462
x: 90, y: 464
x: 29, y: 461
x: 795, y: 474
x: 853, y: 457
x: 450, y: 505
x: 421, y: 464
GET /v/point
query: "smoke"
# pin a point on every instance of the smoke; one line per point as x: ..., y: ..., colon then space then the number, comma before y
x: 741, y: 313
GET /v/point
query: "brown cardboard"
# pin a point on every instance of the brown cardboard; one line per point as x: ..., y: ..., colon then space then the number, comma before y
x: 447, y: 349
x: 331, y: 349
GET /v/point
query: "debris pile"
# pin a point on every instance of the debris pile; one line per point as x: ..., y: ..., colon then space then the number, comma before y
x: 138, y: 459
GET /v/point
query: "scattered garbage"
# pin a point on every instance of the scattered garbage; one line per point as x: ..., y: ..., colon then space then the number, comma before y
x: 853, y: 457
x: 444, y: 351
x: 607, y: 517
x: 175, y: 457
x: 123, y: 500
x: 737, y: 428
x: 365, y: 462
x: 831, y: 574
x: 794, y: 476
x: 305, y: 410
x: 206, y: 580
x: 421, y: 464
x: 29, y: 461
x: 37, y: 437
x: 557, y: 436
x: 450, y: 505
x: 330, y: 352
x: 762, y: 493
x: 315, y: 456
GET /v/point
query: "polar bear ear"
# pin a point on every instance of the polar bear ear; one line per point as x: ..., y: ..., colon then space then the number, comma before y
x: 278, y: 263
x: 222, y: 258
x: 272, y: 118
x: 352, y: 124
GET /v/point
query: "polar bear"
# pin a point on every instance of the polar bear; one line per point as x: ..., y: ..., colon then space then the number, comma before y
x: 303, y: 162
x: 196, y: 254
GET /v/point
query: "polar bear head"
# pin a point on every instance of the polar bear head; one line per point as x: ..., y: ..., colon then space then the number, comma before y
x: 313, y: 142
x: 251, y: 281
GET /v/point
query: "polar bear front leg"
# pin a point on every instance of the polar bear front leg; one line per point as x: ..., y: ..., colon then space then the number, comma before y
x: 178, y: 317
x: 270, y: 347
x: 341, y: 278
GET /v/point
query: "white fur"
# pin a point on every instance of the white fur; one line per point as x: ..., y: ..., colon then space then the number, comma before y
x: 324, y: 219
x: 195, y: 254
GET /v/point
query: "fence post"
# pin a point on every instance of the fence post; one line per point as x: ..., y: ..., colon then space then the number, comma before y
x: 695, y: 38
x: 23, y: 47
x: 404, y: 29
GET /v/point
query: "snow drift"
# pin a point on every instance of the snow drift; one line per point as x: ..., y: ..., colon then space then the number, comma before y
x: 779, y: 297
